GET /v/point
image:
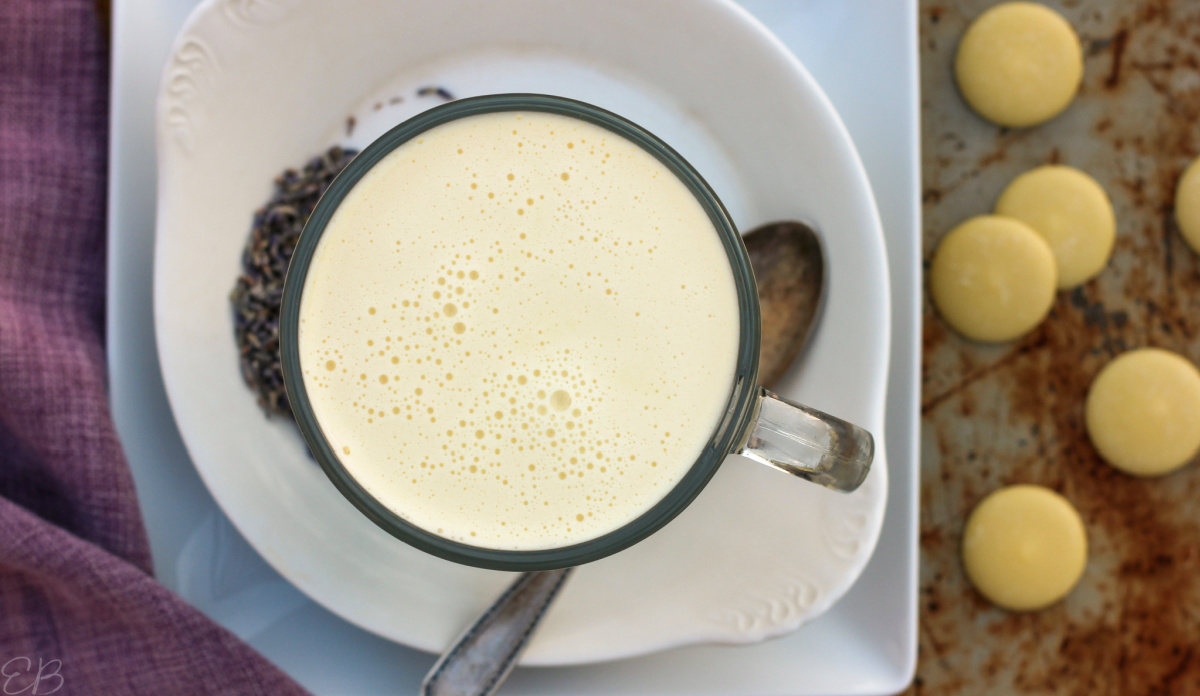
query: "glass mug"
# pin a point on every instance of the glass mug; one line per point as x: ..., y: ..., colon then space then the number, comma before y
x: 755, y: 423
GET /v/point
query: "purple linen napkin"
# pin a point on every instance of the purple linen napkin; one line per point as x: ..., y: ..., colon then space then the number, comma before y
x: 80, y: 612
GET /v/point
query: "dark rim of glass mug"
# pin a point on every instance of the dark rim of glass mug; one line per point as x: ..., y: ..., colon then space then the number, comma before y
x: 743, y: 392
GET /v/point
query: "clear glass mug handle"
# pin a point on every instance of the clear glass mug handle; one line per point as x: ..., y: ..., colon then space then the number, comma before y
x: 805, y: 442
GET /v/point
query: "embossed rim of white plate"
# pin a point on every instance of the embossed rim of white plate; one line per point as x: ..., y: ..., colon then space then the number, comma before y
x: 703, y: 578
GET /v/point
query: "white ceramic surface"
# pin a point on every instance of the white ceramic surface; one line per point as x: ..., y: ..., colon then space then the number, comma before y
x: 864, y: 54
x: 747, y: 115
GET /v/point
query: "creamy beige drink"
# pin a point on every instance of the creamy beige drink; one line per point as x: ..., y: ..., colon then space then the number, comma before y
x: 519, y: 330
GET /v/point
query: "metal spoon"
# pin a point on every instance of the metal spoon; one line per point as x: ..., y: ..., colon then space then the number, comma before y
x: 789, y: 267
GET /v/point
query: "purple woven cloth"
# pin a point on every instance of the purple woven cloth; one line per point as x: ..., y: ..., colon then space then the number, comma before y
x: 80, y: 612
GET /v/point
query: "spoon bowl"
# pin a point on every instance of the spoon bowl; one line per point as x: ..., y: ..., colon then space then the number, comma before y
x: 789, y: 269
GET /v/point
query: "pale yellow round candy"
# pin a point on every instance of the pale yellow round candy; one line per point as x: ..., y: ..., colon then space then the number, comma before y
x: 1019, y: 64
x: 1024, y: 547
x: 992, y: 278
x: 1143, y: 412
x: 1187, y: 205
x: 1071, y: 212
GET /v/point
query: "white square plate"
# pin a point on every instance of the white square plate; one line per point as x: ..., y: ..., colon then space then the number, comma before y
x: 866, y: 648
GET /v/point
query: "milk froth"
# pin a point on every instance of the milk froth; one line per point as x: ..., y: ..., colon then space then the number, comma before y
x: 519, y: 330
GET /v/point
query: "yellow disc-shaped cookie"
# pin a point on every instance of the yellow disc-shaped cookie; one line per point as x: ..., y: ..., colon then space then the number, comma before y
x: 1071, y: 212
x: 1143, y: 412
x: 1024, y: 547
x: 1019, y: 64
x: 992, y: 278
x: 1187, y: 204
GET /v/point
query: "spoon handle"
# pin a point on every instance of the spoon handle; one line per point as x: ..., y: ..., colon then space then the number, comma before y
x: 487, y: 651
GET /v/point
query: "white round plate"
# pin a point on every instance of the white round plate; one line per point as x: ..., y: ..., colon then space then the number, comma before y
x: 254, y: 86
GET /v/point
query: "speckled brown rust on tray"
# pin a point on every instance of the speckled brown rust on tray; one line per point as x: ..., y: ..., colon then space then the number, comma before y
x: 995, y: 415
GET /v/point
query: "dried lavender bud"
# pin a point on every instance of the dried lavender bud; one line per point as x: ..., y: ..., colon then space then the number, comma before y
x: 259, y: 289
x: 435, y: 92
